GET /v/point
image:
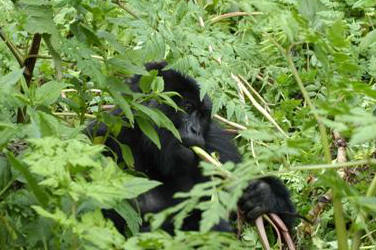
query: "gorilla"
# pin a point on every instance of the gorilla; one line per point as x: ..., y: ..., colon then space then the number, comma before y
x: 175, y: 165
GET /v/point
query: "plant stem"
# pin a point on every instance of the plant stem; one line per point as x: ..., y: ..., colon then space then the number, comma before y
x: 12, y: 48
x: 358, y: 234
x: 337, y: 205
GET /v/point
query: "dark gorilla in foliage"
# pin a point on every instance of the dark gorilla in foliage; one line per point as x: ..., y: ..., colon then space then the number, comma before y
x: 176, y: 166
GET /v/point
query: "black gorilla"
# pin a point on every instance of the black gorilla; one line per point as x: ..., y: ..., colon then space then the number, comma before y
x: 175, y: 165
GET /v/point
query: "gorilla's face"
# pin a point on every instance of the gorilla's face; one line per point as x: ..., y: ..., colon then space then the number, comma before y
x: 192, y: 123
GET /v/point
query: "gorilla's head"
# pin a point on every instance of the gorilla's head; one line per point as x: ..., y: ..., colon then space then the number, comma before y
x: 193, y: 123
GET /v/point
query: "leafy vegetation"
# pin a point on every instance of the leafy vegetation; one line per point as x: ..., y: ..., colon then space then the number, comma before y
x: 296, y: 77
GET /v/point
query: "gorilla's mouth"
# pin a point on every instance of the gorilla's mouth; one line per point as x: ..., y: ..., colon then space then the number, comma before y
x: 186, y: 153
x: 190, y: 142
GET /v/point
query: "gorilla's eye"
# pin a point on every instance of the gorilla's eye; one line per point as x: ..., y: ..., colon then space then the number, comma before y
x: 188, y: 107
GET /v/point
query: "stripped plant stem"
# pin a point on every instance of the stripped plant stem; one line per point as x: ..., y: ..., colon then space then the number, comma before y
x: 257, y: 105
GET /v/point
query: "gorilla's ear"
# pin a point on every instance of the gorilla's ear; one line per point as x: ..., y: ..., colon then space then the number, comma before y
x: 156, y: 65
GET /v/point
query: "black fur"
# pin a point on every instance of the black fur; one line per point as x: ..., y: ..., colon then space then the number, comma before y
x: 175, y: 165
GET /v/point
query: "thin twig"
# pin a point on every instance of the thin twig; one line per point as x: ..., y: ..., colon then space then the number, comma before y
x: 12, y: 48
x: 257, y: 105
x: 72, y: 114
x: 46, y: 57
x: 254, y: 92
x: 232, y: 124
x: 126, y: 8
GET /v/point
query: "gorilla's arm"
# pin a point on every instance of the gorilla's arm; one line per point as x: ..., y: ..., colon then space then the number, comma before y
x: 264, y: 195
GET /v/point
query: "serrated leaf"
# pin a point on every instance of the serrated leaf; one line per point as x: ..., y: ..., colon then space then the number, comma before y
x: 136, y: 186
x: 40, y: 18
x: 368, y: 40
x: 31, y: 181
x: 364, y: 134
x: 364, y: 4
x: 44, y: 124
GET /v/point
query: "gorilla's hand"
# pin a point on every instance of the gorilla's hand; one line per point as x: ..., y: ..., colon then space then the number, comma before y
x: 267, y: 195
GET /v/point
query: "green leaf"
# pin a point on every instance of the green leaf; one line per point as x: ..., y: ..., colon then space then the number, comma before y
x: 253, y: 134
x: 366, y: 202
x: 127, y: 155
x: 364, y: 4
x: 147, y: 80
x: 7, y: 131
x: 336, y: 34
x: 49, y: 92
x: 5, y: 173
x: 39, y: 18
x: 9, y: 80
x: 136, y: 186
x: 364, y: 134
x: 44, y: 124
x: 124, y: 105
x: 368, y: 40
x: 167, y: 123
x: 212, y: 214
x: 84, y: 34
x: 148, y: 130
x: 31, y: 181
x: 128, y: 213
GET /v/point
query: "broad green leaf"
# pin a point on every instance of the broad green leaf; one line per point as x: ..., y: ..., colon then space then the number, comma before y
x: 49, y: 92
x: 40, y: 18
x: 7, y: 131
x: 5, y: 173
x: 167, y: 123
x: 9, y: 80
x: 124, y: 105
x: 148, y: 130
x: 147, y: 80
x: 44, y: 124
x: 129, y: 214
x: 127, y: 155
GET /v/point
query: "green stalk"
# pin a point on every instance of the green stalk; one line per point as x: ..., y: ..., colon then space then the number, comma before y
x: 337, y: 205
x: 358, y: 234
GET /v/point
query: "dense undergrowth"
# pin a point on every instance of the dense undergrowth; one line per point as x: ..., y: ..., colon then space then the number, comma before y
x: 296, y: 77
